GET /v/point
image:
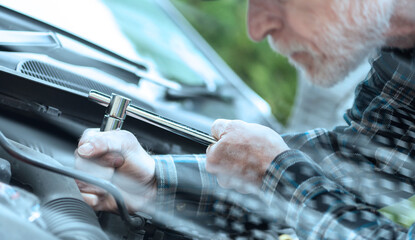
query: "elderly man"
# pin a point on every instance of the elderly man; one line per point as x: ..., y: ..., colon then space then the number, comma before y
x: 325, y: 184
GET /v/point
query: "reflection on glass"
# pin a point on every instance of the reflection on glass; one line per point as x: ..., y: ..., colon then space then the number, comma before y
x: 162, y: 43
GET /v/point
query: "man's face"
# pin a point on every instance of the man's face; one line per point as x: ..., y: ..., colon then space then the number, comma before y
x: 324, y: 39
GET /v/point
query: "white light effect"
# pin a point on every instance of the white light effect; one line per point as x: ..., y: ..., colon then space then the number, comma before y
x: 91, y: 20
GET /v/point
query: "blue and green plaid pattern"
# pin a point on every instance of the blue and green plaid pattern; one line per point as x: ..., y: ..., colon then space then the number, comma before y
x: 333, y: 182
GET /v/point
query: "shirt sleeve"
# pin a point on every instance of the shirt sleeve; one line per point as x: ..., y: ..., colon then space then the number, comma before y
x: 318, y: 208
x: 190, y: 200
x: 184, y: 186
x: 297, y: 192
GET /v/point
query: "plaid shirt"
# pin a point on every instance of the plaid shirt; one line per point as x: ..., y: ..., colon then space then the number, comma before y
x: 331, y: 184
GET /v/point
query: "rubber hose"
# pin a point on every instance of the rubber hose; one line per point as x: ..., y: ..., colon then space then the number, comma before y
x: 67, y: 216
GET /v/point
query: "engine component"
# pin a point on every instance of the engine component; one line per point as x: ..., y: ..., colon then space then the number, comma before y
x: 12, y: 227
x: 22, y: 153
x: 64, y: 212
x: 71, y: 218
x: 22, y: 203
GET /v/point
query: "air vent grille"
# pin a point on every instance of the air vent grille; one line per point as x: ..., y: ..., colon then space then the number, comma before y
x: 61, y: 77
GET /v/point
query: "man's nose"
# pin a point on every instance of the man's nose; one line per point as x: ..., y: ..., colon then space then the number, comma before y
x: 263, y: 20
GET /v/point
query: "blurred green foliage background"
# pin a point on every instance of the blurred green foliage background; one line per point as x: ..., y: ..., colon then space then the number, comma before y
x: 223, y: 25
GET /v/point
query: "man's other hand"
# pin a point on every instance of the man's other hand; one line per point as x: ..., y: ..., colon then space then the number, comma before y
x: 115, y: 156
x: 242, y: 154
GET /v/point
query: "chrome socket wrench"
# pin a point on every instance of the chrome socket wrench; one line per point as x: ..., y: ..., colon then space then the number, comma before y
x: 146, y: 116
x: 115, y: 114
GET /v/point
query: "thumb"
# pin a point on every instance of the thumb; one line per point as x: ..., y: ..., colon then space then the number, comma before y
x: 219, y: 127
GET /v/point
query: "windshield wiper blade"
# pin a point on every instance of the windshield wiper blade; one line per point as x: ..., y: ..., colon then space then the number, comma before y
x: 27, y: 40
x: 157, y: 79
x: 195, y: 93
x: 11, y: 40
x: 22, y: 39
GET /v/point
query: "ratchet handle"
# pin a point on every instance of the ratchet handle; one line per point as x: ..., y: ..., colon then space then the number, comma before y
x: 153, y: 119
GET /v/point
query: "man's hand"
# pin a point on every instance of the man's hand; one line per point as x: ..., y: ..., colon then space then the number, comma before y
x: 242, y: 154
x: 115, y: 156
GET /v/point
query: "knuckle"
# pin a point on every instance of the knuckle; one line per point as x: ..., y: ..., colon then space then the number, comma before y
x: 233, y: 125
x: 127, y: 138
x: 126, y: 134
x: 218, y: 125
x: 99, y: 143
x: 89, y: 132
x: 218, y: 122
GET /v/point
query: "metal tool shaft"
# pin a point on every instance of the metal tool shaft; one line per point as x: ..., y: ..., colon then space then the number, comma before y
x: 151, y: 118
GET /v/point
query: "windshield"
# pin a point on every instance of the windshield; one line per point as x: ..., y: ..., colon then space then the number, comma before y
x: 139, y: 30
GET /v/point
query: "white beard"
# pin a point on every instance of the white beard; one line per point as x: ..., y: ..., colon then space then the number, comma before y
x: 342, y: 45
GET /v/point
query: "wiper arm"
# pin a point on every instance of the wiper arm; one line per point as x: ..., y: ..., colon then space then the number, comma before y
x: 155, y: 78
x: 22, y: 39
